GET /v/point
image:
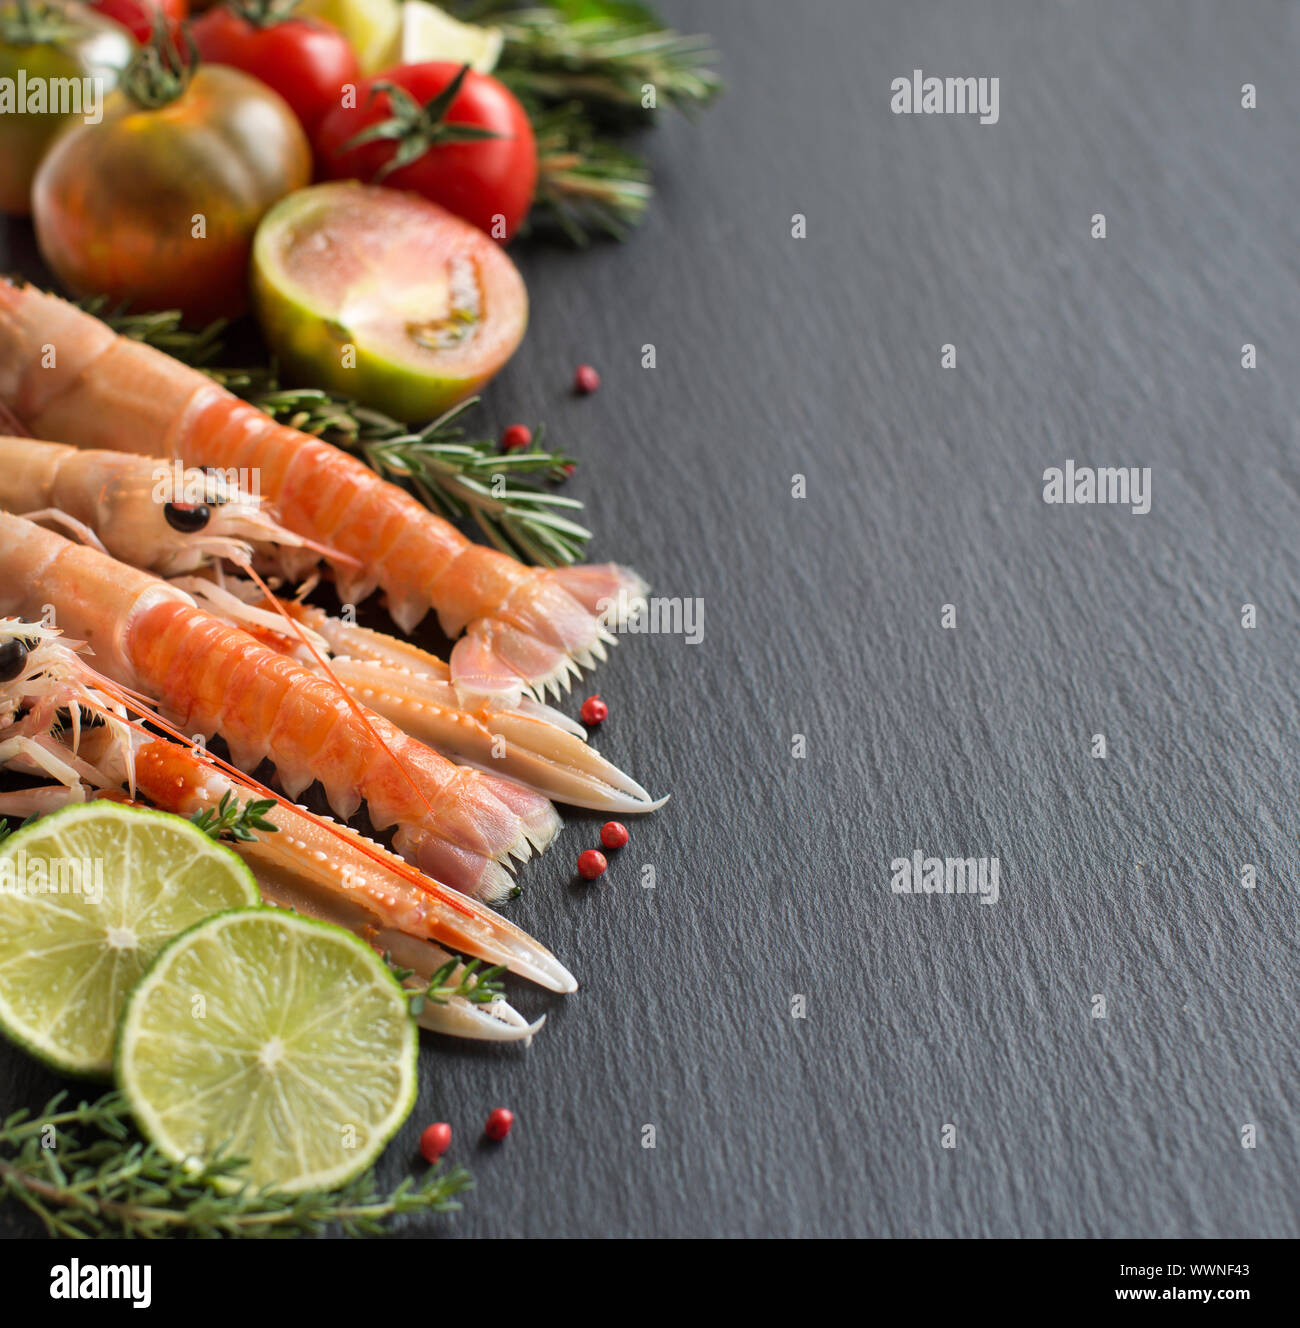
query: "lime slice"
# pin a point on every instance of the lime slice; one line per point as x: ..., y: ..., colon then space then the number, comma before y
x: 370, y: 26
x: 88, y: 897
x: 429, y: 34
x: 272, y: 1037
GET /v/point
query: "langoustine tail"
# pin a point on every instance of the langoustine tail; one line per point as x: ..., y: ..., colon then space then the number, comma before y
x: 553, y: 626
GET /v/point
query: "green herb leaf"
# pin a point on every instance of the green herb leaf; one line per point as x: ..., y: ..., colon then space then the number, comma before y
x: 228, y: 820
x: 606, y: 57
x: 586, y: 185
x: 457, y: 979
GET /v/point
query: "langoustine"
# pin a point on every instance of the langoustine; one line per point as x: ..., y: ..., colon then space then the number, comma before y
x: 69, y: 377
x: 308, y: 862
x: 458, y: 825
x: 120, y: 502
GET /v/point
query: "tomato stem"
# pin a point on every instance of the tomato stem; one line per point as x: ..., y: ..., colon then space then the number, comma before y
x: 162, y: 70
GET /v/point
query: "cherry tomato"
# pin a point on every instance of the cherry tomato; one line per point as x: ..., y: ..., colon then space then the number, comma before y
x: 306, y: 60
x: 158, y: 207
x: 137, y: 16
x: 488, y: 181
x: 37, y: 45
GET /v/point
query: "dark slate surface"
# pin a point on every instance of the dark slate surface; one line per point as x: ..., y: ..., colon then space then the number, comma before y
x: 1119, y: 877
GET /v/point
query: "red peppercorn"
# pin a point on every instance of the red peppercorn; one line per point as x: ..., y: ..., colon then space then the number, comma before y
x: 594, y: 710
x: 435, y: 1141
x: 592, y: 864
x: 515, y: 437
x: 613, y: 834
x: 585, y: 380
x: 499, y: 1123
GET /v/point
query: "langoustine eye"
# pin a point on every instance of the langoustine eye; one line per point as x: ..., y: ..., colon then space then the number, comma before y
x: 13, y: 656
x: 188, y: 518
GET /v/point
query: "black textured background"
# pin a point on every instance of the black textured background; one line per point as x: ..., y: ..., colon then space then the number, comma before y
x: 1119, y: 876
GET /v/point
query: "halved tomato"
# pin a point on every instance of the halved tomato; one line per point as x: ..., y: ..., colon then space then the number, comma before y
x: 385, y: 297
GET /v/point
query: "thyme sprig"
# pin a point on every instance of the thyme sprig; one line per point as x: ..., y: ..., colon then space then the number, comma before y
x: 229, y: 820
x: 81, y: 1172
x: 470, y: 984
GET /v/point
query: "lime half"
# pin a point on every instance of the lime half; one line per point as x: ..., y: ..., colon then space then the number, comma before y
x: 88, y: 897
x: 271, y: 1037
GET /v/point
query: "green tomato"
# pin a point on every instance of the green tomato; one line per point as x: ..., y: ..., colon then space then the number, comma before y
x: 384, y: 297
x: 58, y: 62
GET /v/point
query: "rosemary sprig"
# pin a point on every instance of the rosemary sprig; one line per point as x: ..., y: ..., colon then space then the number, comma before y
x: 228, y: 820
x: 608, y: 57
x: 479, y: 988
x: 5, y: 831
x: 96, y: 1180
x: 161, y: 330
x: 468, y: 479
x: 586, y: 185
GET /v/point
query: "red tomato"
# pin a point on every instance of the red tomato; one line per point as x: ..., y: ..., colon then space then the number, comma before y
x: 487, y: 180
x: 138, y: 15
x: 305, y: 60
